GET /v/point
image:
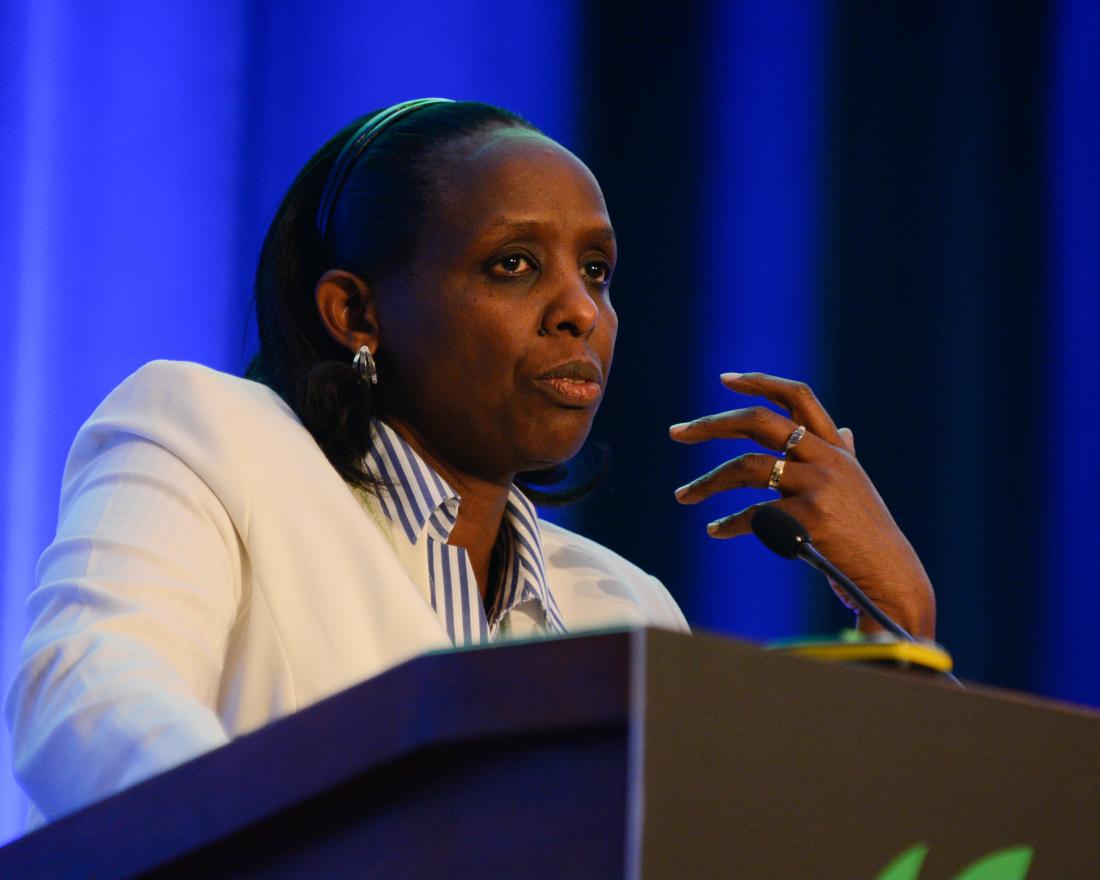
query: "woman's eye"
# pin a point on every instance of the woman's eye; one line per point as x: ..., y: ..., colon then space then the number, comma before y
x: 513, y: 264
x: 597, y: 271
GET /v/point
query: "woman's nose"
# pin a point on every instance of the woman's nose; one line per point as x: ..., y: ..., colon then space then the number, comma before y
x: 573, y: 310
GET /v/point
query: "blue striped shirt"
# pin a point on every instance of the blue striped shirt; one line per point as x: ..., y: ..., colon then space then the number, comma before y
x: 423, y: 508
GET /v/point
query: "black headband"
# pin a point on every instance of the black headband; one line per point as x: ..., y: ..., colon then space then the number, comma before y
x: 355, y: 147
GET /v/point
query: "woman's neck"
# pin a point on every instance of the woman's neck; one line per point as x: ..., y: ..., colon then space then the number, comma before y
x: 480, y: 512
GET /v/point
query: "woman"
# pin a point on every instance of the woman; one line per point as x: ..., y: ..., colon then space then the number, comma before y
x: 435, y: 324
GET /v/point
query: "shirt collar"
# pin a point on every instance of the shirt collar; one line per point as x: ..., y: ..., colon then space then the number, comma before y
x: 417, y: 496
x: 524, y: 574
x: 413, y: 490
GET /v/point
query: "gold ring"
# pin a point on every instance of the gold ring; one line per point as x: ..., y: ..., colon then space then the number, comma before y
x: 777, y: 474
x: 796, y: 435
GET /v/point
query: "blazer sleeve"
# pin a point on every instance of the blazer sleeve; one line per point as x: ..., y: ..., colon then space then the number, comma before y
x: 136, y: 597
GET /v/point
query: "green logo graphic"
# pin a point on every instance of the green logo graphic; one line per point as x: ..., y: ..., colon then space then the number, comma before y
x: 1004, y: 864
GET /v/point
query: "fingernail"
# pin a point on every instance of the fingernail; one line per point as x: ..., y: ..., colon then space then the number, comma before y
x: 679, y: 426
x: 730, y: 377
x: 712, y: 528
x: 682, y: 490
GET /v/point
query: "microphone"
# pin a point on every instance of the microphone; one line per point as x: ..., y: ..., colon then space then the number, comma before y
x: 783, y: 534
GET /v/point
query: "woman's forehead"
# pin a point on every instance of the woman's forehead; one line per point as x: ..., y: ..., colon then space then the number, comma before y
x: 515, y: 171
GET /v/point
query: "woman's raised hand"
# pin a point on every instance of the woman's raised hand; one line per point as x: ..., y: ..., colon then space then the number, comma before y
x: 822, y: 486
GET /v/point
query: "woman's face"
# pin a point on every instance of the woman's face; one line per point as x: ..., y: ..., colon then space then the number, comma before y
x: 494, y: 349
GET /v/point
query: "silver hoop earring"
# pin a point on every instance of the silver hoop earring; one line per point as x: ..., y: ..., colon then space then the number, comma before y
x: 364, y: 363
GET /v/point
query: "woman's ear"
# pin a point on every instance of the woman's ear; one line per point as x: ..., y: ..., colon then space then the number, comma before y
x: 347, y: 309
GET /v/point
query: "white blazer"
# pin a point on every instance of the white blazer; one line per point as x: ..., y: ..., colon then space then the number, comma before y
x: 211, y: 573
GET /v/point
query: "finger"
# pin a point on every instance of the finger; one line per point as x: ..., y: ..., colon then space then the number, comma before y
x: 751, y: 423
x: 848, y: 439
x: 766, y: 427
x: 737, y: 524
x: 796, y: 397
x: 750, y: 470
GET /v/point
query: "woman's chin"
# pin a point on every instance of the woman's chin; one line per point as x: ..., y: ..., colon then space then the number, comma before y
x: 554, y: 449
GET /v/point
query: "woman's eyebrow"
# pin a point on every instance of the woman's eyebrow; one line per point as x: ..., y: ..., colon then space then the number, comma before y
x: 605, y: 234
x: 526, y: 227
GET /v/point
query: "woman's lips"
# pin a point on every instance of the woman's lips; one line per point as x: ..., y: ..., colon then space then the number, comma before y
x: 576, y: 383
x: 574, y: 392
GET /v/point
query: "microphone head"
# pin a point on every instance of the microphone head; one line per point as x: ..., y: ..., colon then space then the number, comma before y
x: 779, y: 531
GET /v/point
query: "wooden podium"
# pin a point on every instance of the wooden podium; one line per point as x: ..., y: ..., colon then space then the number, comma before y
x: 621, y: 754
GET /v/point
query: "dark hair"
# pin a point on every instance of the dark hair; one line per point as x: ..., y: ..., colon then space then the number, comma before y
x: 373, y: 232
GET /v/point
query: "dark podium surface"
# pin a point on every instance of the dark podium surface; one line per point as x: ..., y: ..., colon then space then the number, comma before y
x: 622, y: 754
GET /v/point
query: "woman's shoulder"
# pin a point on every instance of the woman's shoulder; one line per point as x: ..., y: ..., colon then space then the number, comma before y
x: 237, y: 437
x: 171, y: 401
x: 210, y: 420
x: 173, y: 384
x: 588, y: 568
x: 573, y: 546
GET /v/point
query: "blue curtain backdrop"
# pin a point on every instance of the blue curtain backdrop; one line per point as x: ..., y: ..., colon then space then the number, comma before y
x: 1069, y: 607
x: 901, y: 206
x: 761, y: 279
